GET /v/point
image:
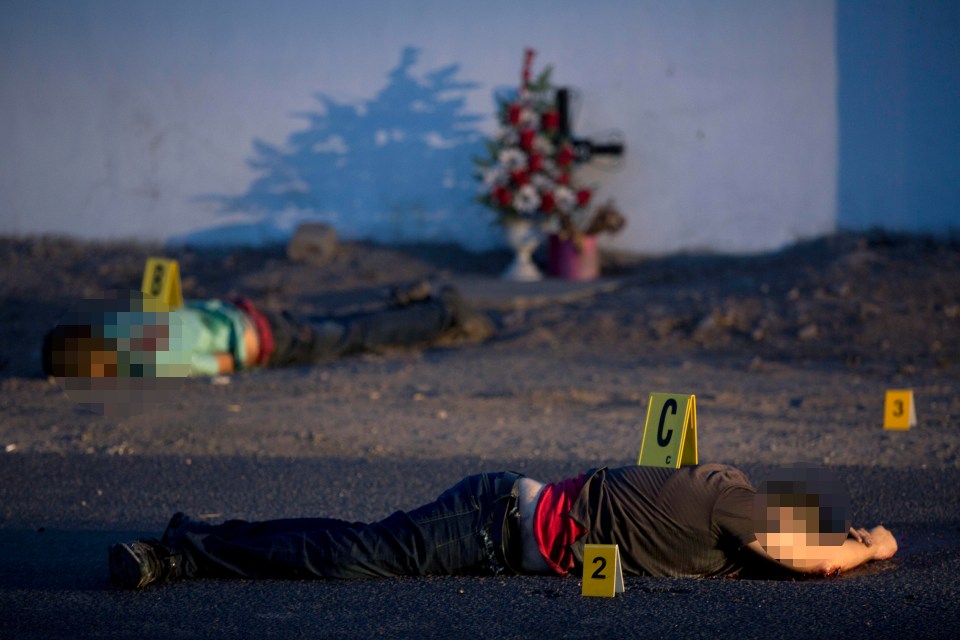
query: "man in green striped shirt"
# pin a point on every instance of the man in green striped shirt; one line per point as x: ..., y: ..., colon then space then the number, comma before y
x: 126, y: 336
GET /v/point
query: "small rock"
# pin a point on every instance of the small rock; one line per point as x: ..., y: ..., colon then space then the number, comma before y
x: 809, y: 332
x: 870, y: 309
x: 842, y: 290
x: 313, y: 243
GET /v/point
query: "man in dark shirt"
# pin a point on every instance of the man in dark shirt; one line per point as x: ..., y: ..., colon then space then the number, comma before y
x: 699, y: 521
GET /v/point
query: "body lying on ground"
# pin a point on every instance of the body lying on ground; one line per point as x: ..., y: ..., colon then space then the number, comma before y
x: 697, y: 521
x: 118, y: 338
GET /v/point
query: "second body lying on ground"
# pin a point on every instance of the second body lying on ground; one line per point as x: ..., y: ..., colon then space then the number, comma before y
x: 115, y: 339
x: 699, y: 521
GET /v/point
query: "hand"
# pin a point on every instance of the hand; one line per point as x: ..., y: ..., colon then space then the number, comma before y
x: 860, y: 535
x: 881, y: 542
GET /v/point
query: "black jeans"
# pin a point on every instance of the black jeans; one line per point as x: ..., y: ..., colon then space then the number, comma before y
x: 458, y: 533
x: 300, y: 342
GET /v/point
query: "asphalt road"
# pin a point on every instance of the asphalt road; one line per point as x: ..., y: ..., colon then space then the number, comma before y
x: 58, y: 514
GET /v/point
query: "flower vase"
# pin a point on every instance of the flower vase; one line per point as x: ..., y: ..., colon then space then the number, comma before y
x: 568, y: 261
x: 523, y: 237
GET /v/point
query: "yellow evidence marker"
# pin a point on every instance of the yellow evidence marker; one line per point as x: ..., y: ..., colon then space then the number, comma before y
x: 161, y: 279
x: 898, y: 410
x: 673, y: 443
x: 602, y: 573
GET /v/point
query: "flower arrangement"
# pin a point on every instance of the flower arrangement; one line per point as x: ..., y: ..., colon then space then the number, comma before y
x: 528, y: 171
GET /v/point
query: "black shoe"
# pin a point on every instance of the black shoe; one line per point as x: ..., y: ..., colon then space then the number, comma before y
x: 134, y: 565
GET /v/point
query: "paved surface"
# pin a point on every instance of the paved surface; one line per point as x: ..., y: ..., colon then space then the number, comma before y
x: 58, y: 514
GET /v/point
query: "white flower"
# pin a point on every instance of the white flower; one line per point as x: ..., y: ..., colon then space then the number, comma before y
x: 550, y: 168
x: 512, y: 159
x: 542, y: 144
x: 565, y: 197
x: 494, y: 176
x: 527, y: 200
x: 528, y: 119
x: 508, y: 137
x: 542, y: 182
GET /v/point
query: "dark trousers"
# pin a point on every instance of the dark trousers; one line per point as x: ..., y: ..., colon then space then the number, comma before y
x: 301, y: 342
x: 458, y: 533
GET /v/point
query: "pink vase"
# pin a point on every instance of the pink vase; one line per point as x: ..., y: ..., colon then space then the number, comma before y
x: 565, y: 260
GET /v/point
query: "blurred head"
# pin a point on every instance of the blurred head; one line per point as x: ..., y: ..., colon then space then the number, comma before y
x: 799, y: 508
x: 118, y: 335
x: 117, y: 354
x: 79, y: 351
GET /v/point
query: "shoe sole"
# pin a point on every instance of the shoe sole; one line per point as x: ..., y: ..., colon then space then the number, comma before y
x: 125, y: 567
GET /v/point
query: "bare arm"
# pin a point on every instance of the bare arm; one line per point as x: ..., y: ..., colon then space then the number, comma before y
x: 224, y: 362
x: 860, y: 547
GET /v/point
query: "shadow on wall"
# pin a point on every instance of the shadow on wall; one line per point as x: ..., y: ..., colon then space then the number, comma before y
x: 397, y: 168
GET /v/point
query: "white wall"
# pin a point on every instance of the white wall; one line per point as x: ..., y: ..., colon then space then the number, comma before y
x: 137, y: 118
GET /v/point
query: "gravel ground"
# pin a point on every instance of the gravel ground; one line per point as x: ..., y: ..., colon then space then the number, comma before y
x: 789, y: 355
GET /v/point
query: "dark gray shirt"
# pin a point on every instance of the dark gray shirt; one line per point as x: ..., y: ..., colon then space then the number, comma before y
x: 690, y: 522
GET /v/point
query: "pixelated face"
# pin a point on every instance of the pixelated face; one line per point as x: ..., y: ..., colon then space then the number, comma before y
x: 790, y: 533
x: 119, y: 355
x: 799, y: 513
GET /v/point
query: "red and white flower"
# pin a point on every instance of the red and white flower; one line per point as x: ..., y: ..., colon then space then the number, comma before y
x: 528, y: 173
